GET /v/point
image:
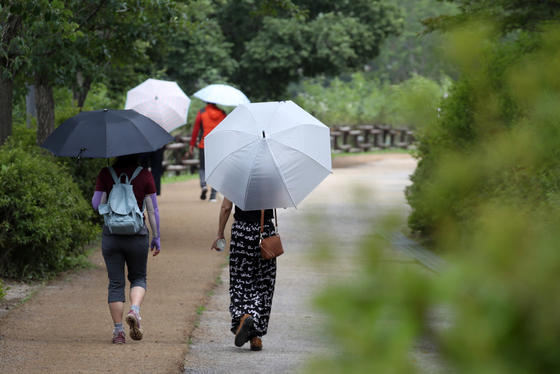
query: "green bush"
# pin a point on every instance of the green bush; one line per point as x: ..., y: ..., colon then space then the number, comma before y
x: 493, y: 312
x: 487, y: 191
x: 84, y: 175
x: 499, y: 126
x: 360, y: 101
x: 45, y: 221
x: 3, y: 290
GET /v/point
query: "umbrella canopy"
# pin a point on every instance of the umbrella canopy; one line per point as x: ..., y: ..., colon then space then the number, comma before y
x: 267, y: 155
x: 222, y: 94
x: 106, y: 133
x: 162, y: 101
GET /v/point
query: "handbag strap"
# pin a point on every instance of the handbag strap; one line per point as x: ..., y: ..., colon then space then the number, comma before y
x: 275, y: 221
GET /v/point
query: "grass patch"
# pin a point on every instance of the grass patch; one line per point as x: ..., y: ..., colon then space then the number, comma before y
x: 380, y: 152
x: 200, y: 310
x: 218, y: 280
x: 166, y: 179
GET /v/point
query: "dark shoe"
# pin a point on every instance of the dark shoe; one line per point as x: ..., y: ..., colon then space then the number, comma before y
x: 242, y: 335
x: 133, y: 320
x: 203, y: 194
x: 256, y: 344
x: 119, y: 337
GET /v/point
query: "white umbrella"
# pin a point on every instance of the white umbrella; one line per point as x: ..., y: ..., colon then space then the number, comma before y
x: 222, y: 94
x: 162, y: 101
x: 267, y: 155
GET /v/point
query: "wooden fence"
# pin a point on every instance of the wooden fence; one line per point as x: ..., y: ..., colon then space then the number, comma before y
x: 175, y: 158
x: 343, y: 139
x: 370, y: 138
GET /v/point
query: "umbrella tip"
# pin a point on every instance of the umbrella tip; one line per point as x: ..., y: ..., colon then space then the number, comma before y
x: 105, y: 110
x: 264, y: 136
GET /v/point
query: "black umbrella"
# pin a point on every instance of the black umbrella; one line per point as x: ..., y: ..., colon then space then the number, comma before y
x: 106, y: 133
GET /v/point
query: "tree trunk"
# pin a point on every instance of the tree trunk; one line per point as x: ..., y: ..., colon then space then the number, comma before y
x: 9, y: 30
x: 6, y: 95
x: 80, y: 91
x: 44, y: 102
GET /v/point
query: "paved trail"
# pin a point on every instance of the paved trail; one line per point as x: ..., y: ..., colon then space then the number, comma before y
x: 66, y: 328
x: 338, y: 212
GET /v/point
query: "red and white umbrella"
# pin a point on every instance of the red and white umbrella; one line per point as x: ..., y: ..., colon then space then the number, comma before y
x: 162, y: 101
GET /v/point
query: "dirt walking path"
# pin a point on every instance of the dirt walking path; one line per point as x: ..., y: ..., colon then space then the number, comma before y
x: 66, y: 327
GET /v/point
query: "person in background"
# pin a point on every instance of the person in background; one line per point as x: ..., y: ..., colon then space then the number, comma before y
x: 153, y: 160
x: 252, y: 278
x: 129, y: 250
x: 206, y: 120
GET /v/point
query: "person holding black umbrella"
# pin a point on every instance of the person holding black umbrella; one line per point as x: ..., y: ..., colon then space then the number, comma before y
x: 109, y: 133
x: 129, y: 250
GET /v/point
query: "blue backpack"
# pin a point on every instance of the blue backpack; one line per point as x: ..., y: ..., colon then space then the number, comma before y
x: 121, y: 212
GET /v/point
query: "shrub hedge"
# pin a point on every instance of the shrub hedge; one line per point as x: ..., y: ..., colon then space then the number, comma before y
x: 496, y: 139
x: 3, y: 290
x: 44, y: 220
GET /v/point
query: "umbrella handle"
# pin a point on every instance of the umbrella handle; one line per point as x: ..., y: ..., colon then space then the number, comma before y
x: 80, y: 156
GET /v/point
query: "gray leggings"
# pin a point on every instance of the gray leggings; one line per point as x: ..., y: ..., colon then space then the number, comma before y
x: 119, y: 250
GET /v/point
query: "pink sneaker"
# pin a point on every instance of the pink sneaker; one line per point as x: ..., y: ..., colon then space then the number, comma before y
x: 133, y: 320
x: 119, y: 337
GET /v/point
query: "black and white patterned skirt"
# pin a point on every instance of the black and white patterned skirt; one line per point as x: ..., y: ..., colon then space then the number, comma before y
x: 251, y: 279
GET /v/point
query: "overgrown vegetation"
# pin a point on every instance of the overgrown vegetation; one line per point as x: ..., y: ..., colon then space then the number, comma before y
x: 360, y: 101
x: 487, y: 192
x: 500, y: 124
x: 493, y: 312
x: 45, y: 221
x: 3, y: 290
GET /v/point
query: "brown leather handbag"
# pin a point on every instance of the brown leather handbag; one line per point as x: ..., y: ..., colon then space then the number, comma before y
x: 271, y: 247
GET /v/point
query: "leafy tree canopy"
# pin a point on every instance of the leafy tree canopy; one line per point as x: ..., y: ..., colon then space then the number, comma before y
x: 261, y: 46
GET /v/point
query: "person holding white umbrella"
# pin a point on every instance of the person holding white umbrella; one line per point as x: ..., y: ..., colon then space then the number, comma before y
x: 263, y: 156
x: 166, y: 104
x: 207, y: 119
x: 252, y: 278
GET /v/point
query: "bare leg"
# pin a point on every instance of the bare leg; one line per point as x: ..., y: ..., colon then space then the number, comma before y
x: 137, y: 295
x: 132, y: 318
x: 116, y: 308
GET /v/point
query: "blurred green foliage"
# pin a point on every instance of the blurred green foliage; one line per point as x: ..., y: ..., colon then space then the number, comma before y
x: 413, y: 52
x: 494, y: 311
x: 359, y: 100
x: 500, y: 123
x: 45, y: 221
x: 486, y: 190
x: 506, y: 15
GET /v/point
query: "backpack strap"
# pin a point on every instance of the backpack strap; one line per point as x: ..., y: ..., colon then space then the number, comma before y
x: 135, y: 174
x: 113, y: 174
x: 128, y: 181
